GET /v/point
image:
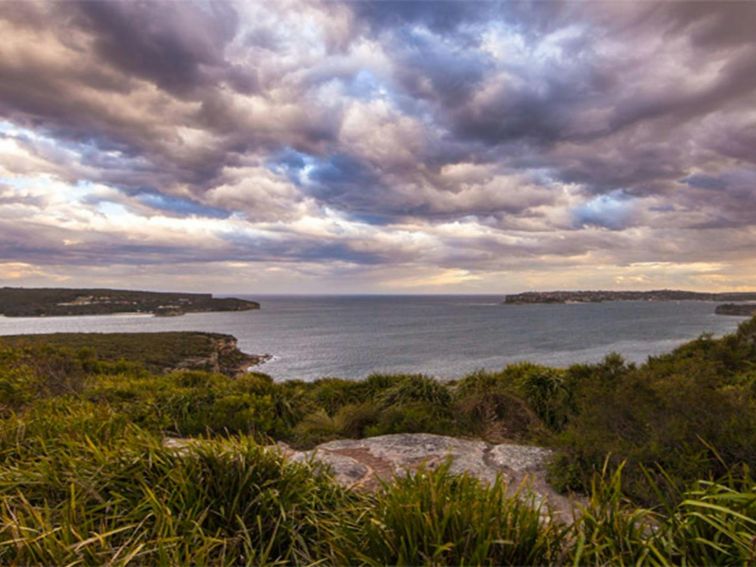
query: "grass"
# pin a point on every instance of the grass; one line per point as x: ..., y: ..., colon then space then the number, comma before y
x: 132, y: 500
x: 435, y: 518
x: 80, y: 488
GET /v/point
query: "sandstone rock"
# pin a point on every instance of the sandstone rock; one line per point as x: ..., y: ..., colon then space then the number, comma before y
x: 362, y: 464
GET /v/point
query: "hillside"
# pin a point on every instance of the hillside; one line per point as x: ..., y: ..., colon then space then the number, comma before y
x: 48, y: 302
x: 157, y: 352
x: 599, y: 296
x: 110, y: 462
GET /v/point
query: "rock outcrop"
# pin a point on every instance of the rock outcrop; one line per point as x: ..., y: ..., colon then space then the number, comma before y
x: 222, y: 356
x: 363, y: 463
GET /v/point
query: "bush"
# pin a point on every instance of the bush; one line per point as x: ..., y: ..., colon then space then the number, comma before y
x: 488, y: 405
x: 138, y: 502
x: 708, y: 523
x: 417, y: 388
x: 435, y: 518
x: 413, y: 417
x: 315, y: 428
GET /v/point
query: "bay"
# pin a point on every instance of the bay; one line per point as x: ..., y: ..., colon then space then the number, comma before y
x: 445, y: 336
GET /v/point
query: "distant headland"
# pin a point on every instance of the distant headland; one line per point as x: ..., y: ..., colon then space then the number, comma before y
x: 600, y: 296
x: 49, y: 302
x: 737, y: 309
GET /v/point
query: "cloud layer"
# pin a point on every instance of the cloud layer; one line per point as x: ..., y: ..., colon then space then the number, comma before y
x: 309, y: 146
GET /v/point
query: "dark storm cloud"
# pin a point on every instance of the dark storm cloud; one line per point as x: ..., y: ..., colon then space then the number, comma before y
x: 429, y: 68
x: 177, y: 45
x: 336, y: 176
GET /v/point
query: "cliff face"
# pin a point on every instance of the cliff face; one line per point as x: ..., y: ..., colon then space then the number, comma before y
x: 224, y: 357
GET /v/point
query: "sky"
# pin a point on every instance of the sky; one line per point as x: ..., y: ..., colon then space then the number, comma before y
x: 301, y: 146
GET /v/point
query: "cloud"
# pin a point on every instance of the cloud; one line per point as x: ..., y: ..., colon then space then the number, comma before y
x: 178, y: 47
x: 391, y: 145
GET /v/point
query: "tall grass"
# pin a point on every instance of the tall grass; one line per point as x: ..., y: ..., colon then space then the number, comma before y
x: 113, y: 494
x: 709, y: 523
x: 136, y: 501
x: 435, y: 518
x: 608, y: 529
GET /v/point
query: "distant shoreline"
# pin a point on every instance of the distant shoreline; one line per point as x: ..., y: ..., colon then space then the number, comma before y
x: 602, y: 296
x: 65, y: 302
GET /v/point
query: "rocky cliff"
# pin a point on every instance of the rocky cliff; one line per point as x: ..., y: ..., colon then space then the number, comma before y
x: 222, y: 356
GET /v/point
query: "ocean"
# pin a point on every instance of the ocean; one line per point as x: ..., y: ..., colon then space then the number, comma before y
x: 444, y: 336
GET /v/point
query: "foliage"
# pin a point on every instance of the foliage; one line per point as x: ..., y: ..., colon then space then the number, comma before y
x: 82, y: 485
x: 662, y: 450
x: 132, y: 500
x: 157, y: 352
x: 669, y: 412
x: 498, y: 416
x: 435, y: 518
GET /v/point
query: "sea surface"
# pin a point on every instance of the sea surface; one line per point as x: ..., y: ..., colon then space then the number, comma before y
x: 446, y: 336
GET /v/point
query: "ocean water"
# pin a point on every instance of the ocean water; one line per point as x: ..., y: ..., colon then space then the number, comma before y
x: 446, y: 336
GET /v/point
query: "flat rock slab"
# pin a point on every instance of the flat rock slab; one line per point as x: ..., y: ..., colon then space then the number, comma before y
x: 363, y: 463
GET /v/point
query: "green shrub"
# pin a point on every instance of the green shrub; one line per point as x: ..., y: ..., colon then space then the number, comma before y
x: 138, y: 502
x: 413, y: 417
x: 608, y: 529
x: 417, y: 388
x: 498, y: 416
x: 331, y: 394
x: 488, y: 404
x: 354, y: 420
x: 709, y: 523
x: 713, y: 524
x: 315, y: 428
x: 435, y: 518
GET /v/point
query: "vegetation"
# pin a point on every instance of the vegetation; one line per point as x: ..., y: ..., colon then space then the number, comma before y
x: 599, y: 296
x: 663, y: 451
x: 157, y: 352
x: 39, y: 302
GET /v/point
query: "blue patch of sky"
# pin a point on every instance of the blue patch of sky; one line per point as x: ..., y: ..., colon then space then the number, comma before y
x: 339, y: 174
x: 111, y: 209
x: 179, y: 205
x: 374, y: 219
x: 8, y: 128
x: 364, y: 85
x: 293, y: 164
x: 612, y: 211
x: 332, y: 174
x: 19, y: 182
